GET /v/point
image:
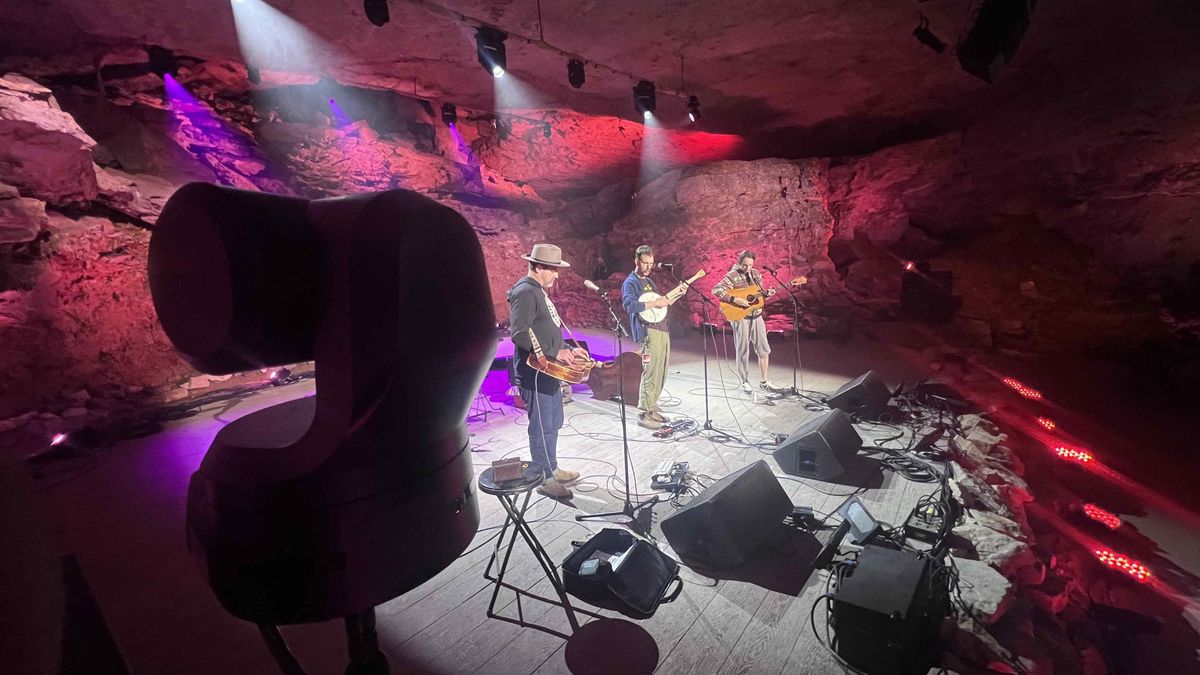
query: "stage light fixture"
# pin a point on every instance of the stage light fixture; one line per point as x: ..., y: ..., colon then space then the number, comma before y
x: 1027, y: 392
x: 1109, y: 520
x: 926, y: 36
x: 1123, y: 563
x: 643, y: 98
x: 503, y: 127
x: 575, y: 73
x: 449, y: 114
x: 910, y: 266
x: 1047, y: 423
x: 162, y: 61
x: 376, y: 11
x: 693, y: 105
x: 489, y: 47
x: 1067, y: 452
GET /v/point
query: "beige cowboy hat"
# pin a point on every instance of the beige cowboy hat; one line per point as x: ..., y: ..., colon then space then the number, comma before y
x: 546, y: 254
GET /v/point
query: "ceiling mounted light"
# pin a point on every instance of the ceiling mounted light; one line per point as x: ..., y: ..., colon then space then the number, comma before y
x: 693, y: 105
x: 926, y: 36
x: 162, y: 61
x: 376, y: 11
x: 449, y: 114
x: 503, y: 127
x: 643, y: 98
x: 575, y: 73
x: 489, y: 47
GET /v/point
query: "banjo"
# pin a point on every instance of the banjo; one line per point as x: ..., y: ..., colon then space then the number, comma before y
x: 657, y: 314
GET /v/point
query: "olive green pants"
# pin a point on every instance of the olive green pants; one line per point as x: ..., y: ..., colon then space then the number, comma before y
x: 656, y: 346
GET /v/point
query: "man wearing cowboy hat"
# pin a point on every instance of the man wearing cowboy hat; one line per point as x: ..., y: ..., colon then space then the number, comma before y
x: 530, y: 308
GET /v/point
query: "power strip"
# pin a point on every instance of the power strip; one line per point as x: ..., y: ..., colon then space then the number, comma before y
x: 669, y: 477
x: 924, y: 524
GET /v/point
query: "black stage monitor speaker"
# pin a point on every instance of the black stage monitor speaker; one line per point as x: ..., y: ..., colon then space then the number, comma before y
x: 821, y: 448
x: 864, y: 397
x: 885, y: 613
x: 993, y: 40
x: 728, y: 522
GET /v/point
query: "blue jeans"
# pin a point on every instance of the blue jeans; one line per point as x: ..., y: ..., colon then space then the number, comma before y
x: 545, y: 419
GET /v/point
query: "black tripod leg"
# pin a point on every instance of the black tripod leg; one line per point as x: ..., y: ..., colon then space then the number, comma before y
x: 363, y: 643
x: 279, y: 650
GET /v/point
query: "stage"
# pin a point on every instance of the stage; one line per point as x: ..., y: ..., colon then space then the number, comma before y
x: 121, y: 514
x: 124, y: 519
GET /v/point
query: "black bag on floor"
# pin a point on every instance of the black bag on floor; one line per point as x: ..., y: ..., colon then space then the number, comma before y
x: 615, y: 570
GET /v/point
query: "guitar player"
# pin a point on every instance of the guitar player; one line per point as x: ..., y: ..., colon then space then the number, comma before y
x: 530, y: 308
x: 751, y: 330
x: 654, y: 339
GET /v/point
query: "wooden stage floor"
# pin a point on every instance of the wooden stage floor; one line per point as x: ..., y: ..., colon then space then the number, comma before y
x: 124, y: 519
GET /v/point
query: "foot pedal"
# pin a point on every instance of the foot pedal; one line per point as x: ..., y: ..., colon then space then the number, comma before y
x: 669, y: 479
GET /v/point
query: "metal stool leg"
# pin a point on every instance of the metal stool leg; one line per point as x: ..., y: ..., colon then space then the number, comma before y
x: 363, y: 644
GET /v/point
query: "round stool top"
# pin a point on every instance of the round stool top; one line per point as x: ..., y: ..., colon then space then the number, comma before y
x: 532, y: 475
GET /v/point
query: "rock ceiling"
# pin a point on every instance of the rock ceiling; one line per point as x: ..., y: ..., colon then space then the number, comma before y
x: 755, y: 65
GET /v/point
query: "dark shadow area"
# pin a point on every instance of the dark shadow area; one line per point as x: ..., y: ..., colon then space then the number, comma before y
x: 88, y: 645
x: 611, y: 646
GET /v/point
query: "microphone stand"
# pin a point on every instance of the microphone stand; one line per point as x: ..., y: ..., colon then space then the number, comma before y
x: 704, y: 327
x: 629, y: 509
x: 796, y: 305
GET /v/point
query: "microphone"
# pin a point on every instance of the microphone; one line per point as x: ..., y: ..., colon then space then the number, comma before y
x: 588, y: 284
x: 769, y: 269
x: 666, y: 266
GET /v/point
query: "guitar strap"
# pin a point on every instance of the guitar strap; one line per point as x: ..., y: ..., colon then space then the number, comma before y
x: 553, y: 311
x: 556, y: 318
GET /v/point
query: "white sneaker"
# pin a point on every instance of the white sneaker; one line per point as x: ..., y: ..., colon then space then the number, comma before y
x: 768, y: 385
x: 746, y: 387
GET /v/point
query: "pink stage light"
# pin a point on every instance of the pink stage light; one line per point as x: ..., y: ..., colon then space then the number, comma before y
x: 1109, y: 520
x: 1127, y: 565
x: 909, y: 266
x: 1047, y: 423
x: 1027, y: 392
x: 1076, y: 454
x: 58, y: 439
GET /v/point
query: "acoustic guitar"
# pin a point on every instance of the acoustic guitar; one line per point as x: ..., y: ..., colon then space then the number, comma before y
x: 657, y: 314
x: 573, y: 373
x: 752, y: 295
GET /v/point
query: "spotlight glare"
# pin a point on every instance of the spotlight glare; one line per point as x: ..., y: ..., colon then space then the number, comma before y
x: 489, y: 48
x: 693, y: 105
x: 449, y: 114
x: 58, y: 439
x: 376, y: 11
x: 910, y: 266
x: 646, y: 114
x: 575, y: 73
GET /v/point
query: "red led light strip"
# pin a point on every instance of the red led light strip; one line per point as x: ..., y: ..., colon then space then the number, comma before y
x: 1021, y: 389
x: 1073, y: 453
x: 1127, y: 565
x: 1099, y: 515
x: 1047, y: 423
